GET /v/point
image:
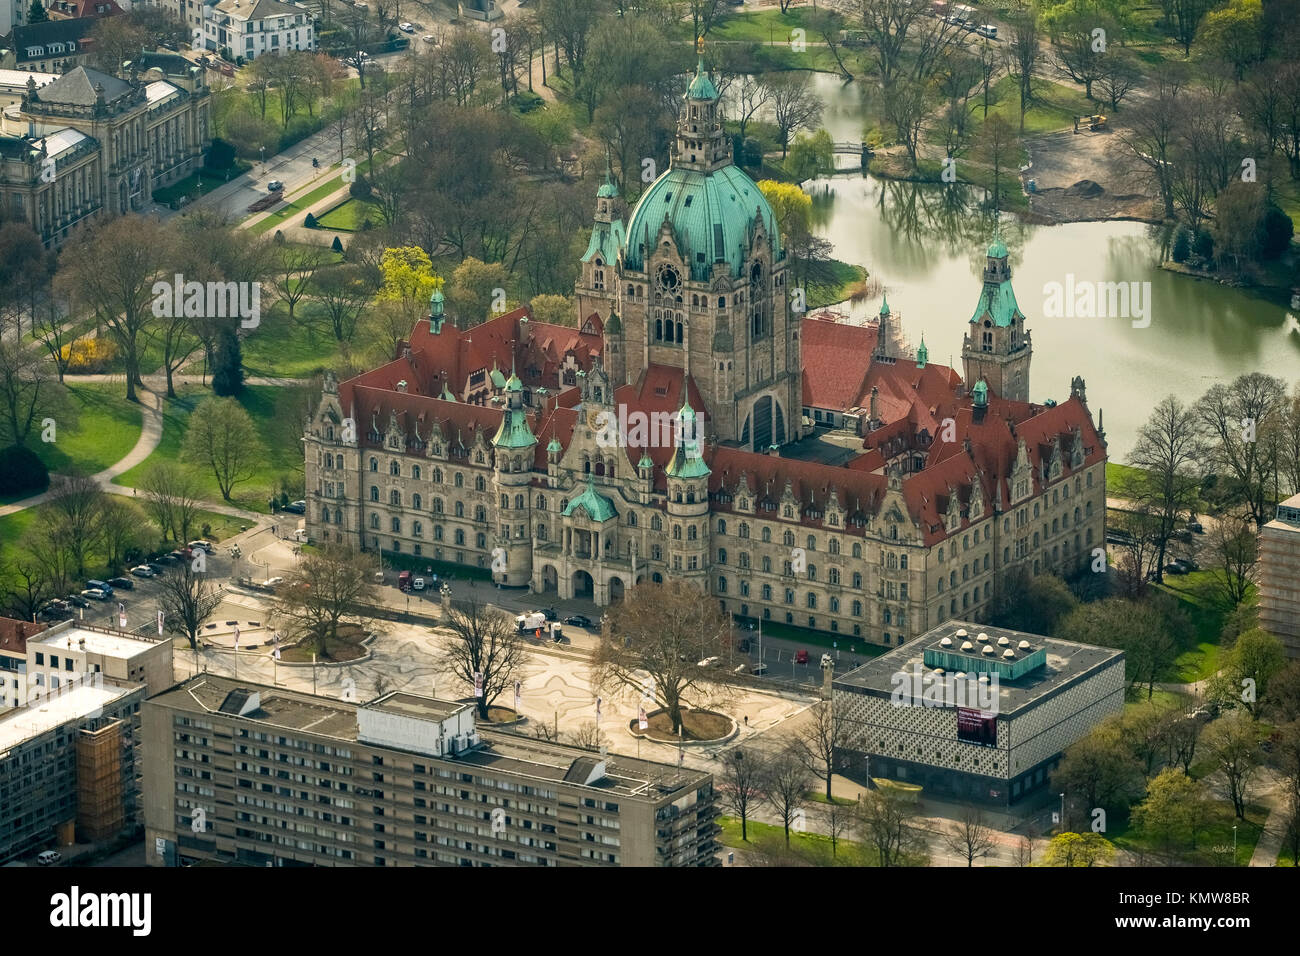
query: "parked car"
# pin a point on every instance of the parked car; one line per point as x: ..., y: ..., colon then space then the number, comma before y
x: 126, y: 584
x: 144, y: 571
x: 156, y: 567
x: 1195, y: 527
x: 76, y: 600
x: 746, y: 624
x: 1172, y: 568
x: 95, y: 594
x: 1187, y: 564
x: 275, y: 186
x: 296, y: 507
x: 708, y: 662
x: 987, y: 30
x: 55, y: 608
x: 429, y: 38
x: 578, y: 620
x: 272, y: 582
x: 95, y: 584
x: 417, y: 584
x: 404, y: 581
x: 49, y: 857
x: 742, y: 645
x: 549, y: 614
x: 406, y: 27
x: 180, y: 554
x: 201, y: 545
x: 801, y: 657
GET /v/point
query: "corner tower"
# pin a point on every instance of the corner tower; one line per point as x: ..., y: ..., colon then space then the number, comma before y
x: 997, y: 347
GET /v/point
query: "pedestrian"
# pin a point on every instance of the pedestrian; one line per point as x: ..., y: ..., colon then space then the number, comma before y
x: 747, y: 720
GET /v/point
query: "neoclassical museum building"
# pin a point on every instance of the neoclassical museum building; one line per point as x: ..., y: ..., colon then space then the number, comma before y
x: 842, y: 482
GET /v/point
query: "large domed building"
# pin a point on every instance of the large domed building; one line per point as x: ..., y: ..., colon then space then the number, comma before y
x: 697, y: 282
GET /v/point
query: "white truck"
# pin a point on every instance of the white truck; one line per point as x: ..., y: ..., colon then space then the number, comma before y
x: 530, y: 621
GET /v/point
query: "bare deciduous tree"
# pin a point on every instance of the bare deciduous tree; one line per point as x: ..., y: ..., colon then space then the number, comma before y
x: 741, y: 784
x: 969, y: 837
x: 785, y: 788
x: 486, y: 648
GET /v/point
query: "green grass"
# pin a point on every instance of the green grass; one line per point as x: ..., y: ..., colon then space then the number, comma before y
x: 928, y: 171
x: 283, y: 458
x: 1213, y: 842
x: 300, y: 204
x: 1053, y: 107
x: 105, y: 428
x: 349, y: 215
x: 191, y: 186
x: 762, y: 26
x: 288, y: 349
x: 219, y: 526
x: 819, y: 796
x: 1120, y: 479
x: 814, y: 848
x: 846, y: 276
x: 854, y: 645
x: 1199, y: 657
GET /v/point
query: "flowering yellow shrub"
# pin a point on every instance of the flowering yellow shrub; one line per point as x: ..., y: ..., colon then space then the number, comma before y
x: 89, y: 355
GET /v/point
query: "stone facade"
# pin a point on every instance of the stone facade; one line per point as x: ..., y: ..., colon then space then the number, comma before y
x: 437, y: 455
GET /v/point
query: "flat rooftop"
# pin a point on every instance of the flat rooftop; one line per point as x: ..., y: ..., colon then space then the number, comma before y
x: 412, y: 705
x: 110, y: 643
x: 1067, y: 661
x: 81, y: 701
x: 627, y: 777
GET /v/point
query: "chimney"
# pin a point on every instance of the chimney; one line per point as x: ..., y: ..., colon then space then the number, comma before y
x: 401, y: 386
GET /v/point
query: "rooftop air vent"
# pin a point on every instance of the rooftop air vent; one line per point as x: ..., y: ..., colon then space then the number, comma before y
x: 946, y: 642
x: 1002, y: 641
x: 982, y: 637
x: 961, y: 632
x: 1023, y: 645
x: 986, y: 649
x: 967, y: 646
x: 1008, y: 653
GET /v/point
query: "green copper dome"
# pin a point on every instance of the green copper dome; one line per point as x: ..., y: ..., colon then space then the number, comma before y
x: 702, y: 87
x: 711, y: 214
x: 554, y: 446
x: 607, y: 191
x: 513, y: 384
x: 997, y: 249
x: 645, y: 461
x: 514, y: 431
x: 687, y: 461
x: 980, y: 393
x: 598, y: 507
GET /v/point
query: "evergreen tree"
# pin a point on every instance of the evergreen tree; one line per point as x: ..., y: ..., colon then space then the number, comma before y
x: 36, y: 13
x: 227, y: 364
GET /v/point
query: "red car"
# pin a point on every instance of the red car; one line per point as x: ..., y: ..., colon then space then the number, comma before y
x: 801, y: 657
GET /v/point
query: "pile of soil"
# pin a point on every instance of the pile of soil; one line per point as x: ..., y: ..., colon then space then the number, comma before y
x: 1084, y: 189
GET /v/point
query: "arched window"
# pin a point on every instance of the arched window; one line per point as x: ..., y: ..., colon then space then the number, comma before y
x: 902, y: 562
x: 374, y: 521
x: 460, y: 480
x: 460, y: 509
x: 415, y: 472
x: 691, y: 533
x: 789, y: 538
x: 812, y: 542
x: 677, y: 532
x: 395, y: 468
x: 395, y: 497
x: 480, y: 513
x: 541, y: 502
x: 417, y: 529
x: 437, y: 506
x: 834, y: 546
x: 631, y: 519
x: 480, y: 540
x: 374, y: 492
x: 437, y: 476
x: 480, y: 484
x: 437, y: 532
x: 397, y: 526
x: 416, y: 502
x: 857, y: 580
x: 744, y: 530
x: 460, y: 537
x: 722, y: 526
x: 812, y: 601
x: 767, y: 535
x: 857, y: 550
x: 656, y: 523
x: 374, y: 464
x: 722, y: 585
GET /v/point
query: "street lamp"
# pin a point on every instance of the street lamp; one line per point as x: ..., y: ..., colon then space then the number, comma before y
x: 1063, y: 811
x: 1234, y: 844
x: 263, y: 156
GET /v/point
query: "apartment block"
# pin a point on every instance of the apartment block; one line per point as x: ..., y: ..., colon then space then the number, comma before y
x: 253, y: 775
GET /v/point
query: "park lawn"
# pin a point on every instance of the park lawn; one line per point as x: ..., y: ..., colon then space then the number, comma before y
x: 1198, y: 658
x: 1012, y: 193
x: 12, y: 528
x: 282, y: 459
x: 760, y: 26
x: 287, y: 349
x: 815, y: 848
x: 105, y: 429
x: 349, y: 215
x: 1213, y: 842
x: 1053, y: 108
x: 1135, y: 698
x: 1120, y: 479
x: 216, y: 527
x: 192, y: 187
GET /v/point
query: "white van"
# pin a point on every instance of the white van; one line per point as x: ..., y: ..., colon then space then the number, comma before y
x: 49, y: 857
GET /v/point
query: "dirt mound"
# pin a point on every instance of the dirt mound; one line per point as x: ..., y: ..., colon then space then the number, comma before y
x: 1085, y: 189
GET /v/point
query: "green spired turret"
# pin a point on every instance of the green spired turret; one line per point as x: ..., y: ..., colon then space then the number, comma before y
x: 980, y: 394
x: 688, y: 459
x: 514, y: 431
x: 922, y: 353
x: 437, y: 304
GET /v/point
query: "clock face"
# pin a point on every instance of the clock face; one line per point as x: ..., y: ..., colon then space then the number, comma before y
x: 668, y: 279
